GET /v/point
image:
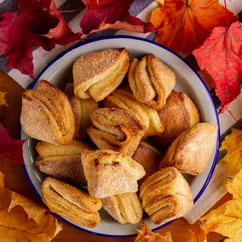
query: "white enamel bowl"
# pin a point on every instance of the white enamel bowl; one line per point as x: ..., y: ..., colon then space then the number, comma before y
x: 59, y: 72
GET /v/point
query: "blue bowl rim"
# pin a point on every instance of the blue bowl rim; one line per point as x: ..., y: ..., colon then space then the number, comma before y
x: 31, y: 86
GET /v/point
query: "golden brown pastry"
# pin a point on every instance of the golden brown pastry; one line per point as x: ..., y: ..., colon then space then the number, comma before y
x: 75, y: 147
x: 116, y: 129
x: 110, y: 173
x: 82, y: 108
x: 149, y: 157
x: 47, y: 114
x: 151, y: 81
x: 99, y: 73
x: 178, y: 115
x: 67, y: 168
x: 71, y: 203
x: 125, y: 208
x: 190, y: 152
x: 63, y: 162
x: 123, y: 99
x: 166, y: 195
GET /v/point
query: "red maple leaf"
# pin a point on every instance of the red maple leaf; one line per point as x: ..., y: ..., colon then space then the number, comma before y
x: 103, y: 14
x: 10, y: 149
x: 34, y: 24
x: 221, y: 57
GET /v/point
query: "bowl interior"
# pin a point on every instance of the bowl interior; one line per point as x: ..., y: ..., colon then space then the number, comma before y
x: 59, y: 73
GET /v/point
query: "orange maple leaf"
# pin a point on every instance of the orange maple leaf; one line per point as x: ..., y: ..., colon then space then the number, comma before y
x: 183, y: 25
x: 146, y: 235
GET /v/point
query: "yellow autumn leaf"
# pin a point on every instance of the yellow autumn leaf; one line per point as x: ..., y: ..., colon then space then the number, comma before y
x: 235, y: 186
x: 2, y: 99
x: 22, y: 220
x: 146, y: 235
x: 233, y: 145
x: 227, y: 219
x: 198, y: 236
x: 218, y: 221
x: 29, y: 206
x: 234, y: 209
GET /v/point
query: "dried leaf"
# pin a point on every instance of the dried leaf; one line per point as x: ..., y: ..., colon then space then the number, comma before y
x: 185, y: 25
x: 22, y: 220
x: 104, y: 14
x: 2, y: 99
x: 61, y: 32
x: 227, y: 219
x: 233, y: 145
x: 220, y: 222
x: 235, y: 186
x: 221, y: 57
x: 29, y: 207
x: 32, y: 25
x: 198, y: 236
x: 234, y: 209
x: 125, y: 26
x: 7, y: 146
x: 146, y: 235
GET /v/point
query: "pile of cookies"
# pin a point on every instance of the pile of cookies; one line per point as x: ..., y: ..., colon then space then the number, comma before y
x: 93, y: 145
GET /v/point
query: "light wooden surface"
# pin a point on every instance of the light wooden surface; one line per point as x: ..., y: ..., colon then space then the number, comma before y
x: 16, y: 180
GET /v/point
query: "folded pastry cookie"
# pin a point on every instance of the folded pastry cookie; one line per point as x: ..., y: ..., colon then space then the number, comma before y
x: 166, y: 195
x: 63, y: 162
x: 151, y: 81
x: 125, y: 208
x: 190, y: 152
x: 47, y: 114
x: 178, y: 115
x: 110, y: 173
x: 149, y: 117
x: 71, y: 203
x: 82, y: 108
x: 99, y: 73
x: 67, y: 168
x: 149, y: 157
x: 116, y: 129
x: 75, y: 147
